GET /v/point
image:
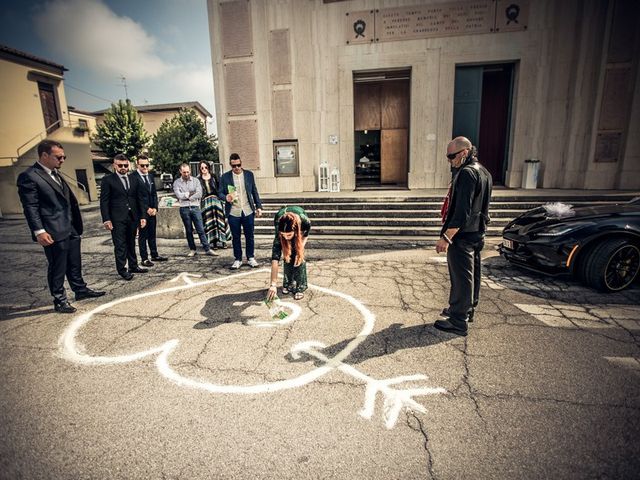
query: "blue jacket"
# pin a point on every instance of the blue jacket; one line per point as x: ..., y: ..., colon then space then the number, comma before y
x: 249, y: 184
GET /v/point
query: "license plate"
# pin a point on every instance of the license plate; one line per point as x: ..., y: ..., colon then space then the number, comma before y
x: 508, y: 244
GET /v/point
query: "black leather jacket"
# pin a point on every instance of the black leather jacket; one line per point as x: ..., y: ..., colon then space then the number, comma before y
x: 470, y: 197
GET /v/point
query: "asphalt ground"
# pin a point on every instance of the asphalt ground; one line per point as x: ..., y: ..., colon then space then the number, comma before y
x: 181, y: 374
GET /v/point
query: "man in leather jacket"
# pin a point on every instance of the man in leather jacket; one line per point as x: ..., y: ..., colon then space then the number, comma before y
x: 462, y: 234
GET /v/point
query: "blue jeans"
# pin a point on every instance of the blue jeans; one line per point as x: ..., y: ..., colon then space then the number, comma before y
x: 193, y: 216
x: 246, y: 222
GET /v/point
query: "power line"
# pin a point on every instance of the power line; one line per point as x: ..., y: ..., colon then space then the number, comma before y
x: 87, y: 93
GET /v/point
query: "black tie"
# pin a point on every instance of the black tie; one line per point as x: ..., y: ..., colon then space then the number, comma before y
x: 146, y: 180
x: 126, y: 183
x: 56, y: 177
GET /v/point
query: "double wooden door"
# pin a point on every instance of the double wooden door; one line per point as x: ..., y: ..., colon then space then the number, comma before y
x: 384, y: 106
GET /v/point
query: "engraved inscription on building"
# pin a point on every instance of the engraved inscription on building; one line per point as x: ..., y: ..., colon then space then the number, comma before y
x: 442, y: 19
x: 435, y: 20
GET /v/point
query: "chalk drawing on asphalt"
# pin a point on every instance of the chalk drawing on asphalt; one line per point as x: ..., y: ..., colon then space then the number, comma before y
x: 394, y: 399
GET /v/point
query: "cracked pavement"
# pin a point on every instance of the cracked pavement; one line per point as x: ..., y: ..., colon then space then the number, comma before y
x: 546, y: 385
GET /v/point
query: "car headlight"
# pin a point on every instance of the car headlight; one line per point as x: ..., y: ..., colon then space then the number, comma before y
x: 563, y: 229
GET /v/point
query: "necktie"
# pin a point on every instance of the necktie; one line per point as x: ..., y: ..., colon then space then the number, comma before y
x: 126, y: 182
x: 56, y: 177
x: 146, y: 180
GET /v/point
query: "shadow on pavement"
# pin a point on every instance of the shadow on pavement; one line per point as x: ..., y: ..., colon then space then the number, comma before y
x: 229, y: 308
x: 14, y: 312
x: 384, y: 342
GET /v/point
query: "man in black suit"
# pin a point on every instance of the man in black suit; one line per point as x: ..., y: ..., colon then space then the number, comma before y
x: 53, y: 216
x: 123, y: 209
x: 147, y: 235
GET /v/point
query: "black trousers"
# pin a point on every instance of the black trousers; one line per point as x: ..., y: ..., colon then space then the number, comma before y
x: 465, y: 270
x: 64, y: 259
x: 147, y: 235
x: 124, y: 243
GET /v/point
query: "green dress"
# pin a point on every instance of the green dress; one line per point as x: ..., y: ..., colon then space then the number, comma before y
x: 295, y: 278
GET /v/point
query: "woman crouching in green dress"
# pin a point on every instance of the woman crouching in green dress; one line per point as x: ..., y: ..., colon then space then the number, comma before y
x: 292, y: 231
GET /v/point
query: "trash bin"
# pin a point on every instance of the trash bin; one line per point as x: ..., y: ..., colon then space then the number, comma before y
x: 530, y: 173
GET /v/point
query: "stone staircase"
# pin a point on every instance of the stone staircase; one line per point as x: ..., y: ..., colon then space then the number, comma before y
x: 404, y: 218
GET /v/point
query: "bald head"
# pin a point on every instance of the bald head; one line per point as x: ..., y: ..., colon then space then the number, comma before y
x: 460, y: 143
x: 458, y: 149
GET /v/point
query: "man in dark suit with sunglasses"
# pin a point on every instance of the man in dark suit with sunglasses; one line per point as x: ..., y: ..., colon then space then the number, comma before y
x: 147, y: 235
x: 53, y: 216
x: 124, y: 210
x: 462, y: 235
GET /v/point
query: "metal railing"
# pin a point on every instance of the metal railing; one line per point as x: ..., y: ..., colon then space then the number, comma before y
x: 39, y: 136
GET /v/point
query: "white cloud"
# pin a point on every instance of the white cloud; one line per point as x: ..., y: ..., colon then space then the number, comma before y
x: 197, y: 82
x: 89, y: 33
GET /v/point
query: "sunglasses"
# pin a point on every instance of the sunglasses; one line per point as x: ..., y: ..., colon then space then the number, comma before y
x: 143, y: 165
x: 60, y: 157
x: 122, y: 165
x: 236, y: 166
x: 451, y: 156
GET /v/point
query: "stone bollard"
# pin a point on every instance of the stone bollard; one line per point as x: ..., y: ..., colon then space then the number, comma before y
x: 169, y: 223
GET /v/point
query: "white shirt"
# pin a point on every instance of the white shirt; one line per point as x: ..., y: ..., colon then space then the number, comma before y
x: 243, y: 199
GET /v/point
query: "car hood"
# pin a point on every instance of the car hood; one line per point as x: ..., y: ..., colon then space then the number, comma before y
x: 541, y: 217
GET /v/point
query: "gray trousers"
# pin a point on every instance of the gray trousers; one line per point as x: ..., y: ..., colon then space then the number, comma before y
x: 465, y: 269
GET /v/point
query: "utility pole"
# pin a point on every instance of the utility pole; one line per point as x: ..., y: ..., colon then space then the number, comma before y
x: 124, y: 83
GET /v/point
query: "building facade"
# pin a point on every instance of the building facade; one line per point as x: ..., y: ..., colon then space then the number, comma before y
x: 34, y: 108
x: 376, y: 89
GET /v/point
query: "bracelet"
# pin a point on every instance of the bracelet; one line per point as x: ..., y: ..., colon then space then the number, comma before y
x: 273, y: 284
x: 447, y: 239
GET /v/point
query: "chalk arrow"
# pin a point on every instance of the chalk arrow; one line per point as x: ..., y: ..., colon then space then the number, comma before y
x: 184, y: 276
x: 394, y: 399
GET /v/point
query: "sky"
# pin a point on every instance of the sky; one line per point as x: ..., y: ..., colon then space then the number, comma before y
x: 161, y: 48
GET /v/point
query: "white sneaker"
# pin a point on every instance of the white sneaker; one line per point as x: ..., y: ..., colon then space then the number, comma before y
x: 192, y: 253
x: 253, y: 263
x: 236, y: 265
x: 211, y: 252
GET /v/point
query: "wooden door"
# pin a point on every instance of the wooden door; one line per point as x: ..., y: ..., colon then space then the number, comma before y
x: 49, y: 107
x: 366, y: 106
x: 394, y: 137
x: 393, y: 155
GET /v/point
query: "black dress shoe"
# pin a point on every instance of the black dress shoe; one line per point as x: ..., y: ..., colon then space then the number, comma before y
x: 88, y: 293
x: 127, y: 276
x: 447, y: 326
x: 445, y: 313
x: 64, y: 307
x: 147, y: 263
x: 138, y: 270
x: 159, y: 259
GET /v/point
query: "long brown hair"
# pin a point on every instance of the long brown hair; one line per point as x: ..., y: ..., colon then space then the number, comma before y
x: 290, y: 222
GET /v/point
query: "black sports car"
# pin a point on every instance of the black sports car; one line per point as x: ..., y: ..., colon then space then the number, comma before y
x: 598, y: 244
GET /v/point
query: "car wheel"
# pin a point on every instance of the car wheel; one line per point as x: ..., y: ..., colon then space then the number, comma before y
x: 611, y: 265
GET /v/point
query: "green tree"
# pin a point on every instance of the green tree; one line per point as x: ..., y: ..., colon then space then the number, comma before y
x: 122, y: 131
x: 182, y: 139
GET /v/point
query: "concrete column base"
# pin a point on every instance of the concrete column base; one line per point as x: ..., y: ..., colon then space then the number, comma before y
x: 169, y: 223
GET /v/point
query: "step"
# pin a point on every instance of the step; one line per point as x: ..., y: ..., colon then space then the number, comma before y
x: 421, y: 213
x: 375, y: 231
x: 498, y: 205
x: 583, y: 198
x: 378, y: 222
